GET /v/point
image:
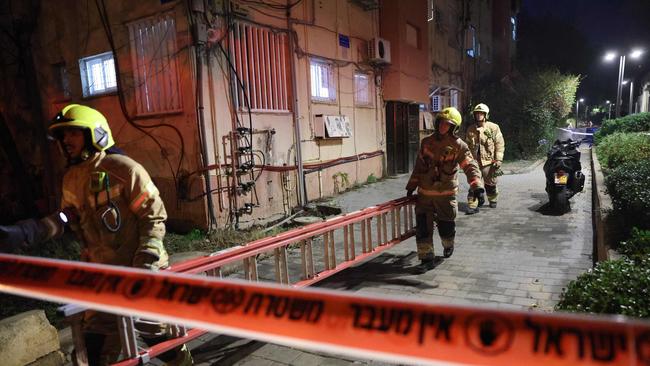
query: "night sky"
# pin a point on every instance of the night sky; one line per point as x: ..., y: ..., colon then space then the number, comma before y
x: 574, y: 35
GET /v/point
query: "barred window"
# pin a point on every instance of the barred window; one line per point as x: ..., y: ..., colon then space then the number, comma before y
x: 155, y: 70
x: 98, y: 74
x: 260, y: 56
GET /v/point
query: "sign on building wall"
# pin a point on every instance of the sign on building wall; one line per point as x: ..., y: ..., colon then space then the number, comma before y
x: 344, y: 41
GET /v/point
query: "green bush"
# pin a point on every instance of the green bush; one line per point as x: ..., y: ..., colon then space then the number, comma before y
x: 612, y: 287
x: 629, y: 187
x: 639, y: 122
x: 637, y: 247
x: 620, y: 148
x: 528, y: 109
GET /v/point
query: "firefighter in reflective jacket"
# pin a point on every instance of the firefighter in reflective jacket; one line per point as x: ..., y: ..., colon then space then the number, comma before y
x: 435, y: 177
x: 486, y: 143
x: 114, y: 208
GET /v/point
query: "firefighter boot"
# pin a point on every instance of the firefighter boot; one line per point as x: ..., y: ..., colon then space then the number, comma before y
x: 425, y: 265
x: 447, y: 231
x: 492, y: 194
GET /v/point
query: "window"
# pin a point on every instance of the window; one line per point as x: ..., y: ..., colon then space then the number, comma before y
x: 453, y: 96
x: 363, y: 95
x: 323, y: 85
x: 98, y: 74
x: 513, y: 23
x: 260, y: 57
x: 470, y: 42
x: 412, y: 35
x: 436, y: 103
x: 155, y: 72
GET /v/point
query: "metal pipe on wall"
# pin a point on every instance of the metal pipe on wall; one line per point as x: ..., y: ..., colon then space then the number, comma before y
x: 201, y: 117
x: 302, y: 200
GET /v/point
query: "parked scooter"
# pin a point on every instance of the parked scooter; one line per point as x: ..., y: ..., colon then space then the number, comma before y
x: 563, y: 174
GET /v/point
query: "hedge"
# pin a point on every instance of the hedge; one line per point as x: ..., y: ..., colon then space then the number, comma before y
x: 619, y: 148
x: 612, y: 287
x: 637, y: 247
x: 629, y: 187
x: 528, y: 108
x: 639, y: 122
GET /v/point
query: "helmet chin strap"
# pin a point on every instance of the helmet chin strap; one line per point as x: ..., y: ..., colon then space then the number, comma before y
x: 85, y: 155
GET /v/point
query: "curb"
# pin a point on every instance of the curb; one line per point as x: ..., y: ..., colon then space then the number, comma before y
x: 601, y: 213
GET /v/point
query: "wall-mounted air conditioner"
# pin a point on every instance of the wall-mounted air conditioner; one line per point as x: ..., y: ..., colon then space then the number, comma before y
x: 378, y: 51
x: 326, y: 127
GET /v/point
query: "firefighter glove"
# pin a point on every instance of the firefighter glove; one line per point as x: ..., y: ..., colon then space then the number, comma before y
x: 146, y: 259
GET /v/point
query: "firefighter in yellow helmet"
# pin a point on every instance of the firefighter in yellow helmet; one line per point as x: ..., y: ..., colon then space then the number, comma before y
x: 115, y: 210
x: 435, y: 178
x: 485, y: 140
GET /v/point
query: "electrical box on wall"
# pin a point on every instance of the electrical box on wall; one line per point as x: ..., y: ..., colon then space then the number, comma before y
x: 378, y: 51
x: 326, y: 127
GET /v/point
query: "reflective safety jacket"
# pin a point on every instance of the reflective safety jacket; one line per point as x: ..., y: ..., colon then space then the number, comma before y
x: 120, y: 212
x: 486, y: 143
x: 437, y: 163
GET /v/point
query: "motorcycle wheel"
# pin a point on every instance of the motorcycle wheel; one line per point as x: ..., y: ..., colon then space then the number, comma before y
x: 561, y: 201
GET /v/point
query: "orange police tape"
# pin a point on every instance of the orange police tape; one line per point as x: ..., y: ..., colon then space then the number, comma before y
x: 390, y: 329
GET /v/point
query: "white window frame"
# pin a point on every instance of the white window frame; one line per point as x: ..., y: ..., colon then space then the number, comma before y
x: 364, y: 95
x: 155, y: 68
x: 98, y: 74
x: 470, y: 46
x: 453, y: 98
x: 323, y: 89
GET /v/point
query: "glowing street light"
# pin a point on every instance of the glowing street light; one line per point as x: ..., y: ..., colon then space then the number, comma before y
x: 610, y: 56
x: 609, y: 113
x: 578, y: 101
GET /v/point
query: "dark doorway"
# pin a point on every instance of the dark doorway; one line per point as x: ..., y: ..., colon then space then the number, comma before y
x: 402, y: 136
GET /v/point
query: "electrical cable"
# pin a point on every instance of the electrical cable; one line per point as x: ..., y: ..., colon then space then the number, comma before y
x: 275, y: 6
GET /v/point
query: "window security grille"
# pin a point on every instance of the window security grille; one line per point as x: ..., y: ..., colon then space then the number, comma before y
x: 155, y: 69
x: 260, y: 58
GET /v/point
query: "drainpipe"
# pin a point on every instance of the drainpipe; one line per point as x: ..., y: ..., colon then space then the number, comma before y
x: 302, y: 199
x: 201, y: 115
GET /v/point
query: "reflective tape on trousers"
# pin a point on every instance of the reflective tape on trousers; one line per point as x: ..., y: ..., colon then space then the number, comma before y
x: 390, y: 329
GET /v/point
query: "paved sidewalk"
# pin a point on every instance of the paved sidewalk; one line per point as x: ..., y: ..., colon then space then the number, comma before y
x: 517, y: 256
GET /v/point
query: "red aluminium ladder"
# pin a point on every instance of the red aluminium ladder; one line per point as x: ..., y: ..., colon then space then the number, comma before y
x: 345, y: 240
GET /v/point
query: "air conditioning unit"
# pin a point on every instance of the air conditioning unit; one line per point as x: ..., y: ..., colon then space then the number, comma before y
x: 326, y: 127
x: 378, y: 51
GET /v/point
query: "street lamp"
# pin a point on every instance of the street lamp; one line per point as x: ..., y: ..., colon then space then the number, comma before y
x: 578, y: 101
x: 610, y: 56
x: 609, y: 113
x: 629, y: 108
